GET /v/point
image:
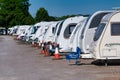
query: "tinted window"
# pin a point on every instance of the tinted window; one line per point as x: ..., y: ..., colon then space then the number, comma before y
x: 115, y: 29
x: 15, y: 30
x: 34, y: 30
x: 99, y: 31
x: 76, y: 29
x: 96, y: 20
x: 69, y: 30
x: 53, y: 30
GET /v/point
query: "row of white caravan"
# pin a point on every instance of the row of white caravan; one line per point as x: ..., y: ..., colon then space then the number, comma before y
x: 97, y: 36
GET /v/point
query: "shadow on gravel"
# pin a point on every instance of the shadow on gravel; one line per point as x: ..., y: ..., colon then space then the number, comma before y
x: 77, y: 64
x: 109, y: 62
x: 98, y: 63
x: 21, y: 42
x: 80, y: 64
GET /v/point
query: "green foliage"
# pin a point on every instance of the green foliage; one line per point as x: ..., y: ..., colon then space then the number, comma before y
x: 67, y: 16
x: 42, y: 15
x: 15, y: 12
x: 52, y: 18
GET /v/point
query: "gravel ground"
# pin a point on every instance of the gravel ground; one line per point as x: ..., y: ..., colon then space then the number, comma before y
x: 19, y: 61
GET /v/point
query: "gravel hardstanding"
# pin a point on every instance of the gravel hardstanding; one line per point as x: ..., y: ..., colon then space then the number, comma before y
x: 19, y: 61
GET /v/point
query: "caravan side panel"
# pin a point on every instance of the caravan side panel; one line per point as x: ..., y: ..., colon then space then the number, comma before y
x: 110, y: 41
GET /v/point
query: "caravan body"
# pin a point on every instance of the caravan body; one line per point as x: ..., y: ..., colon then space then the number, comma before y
x: 21, y: 29
x: 30, y: 32
x: 43, y: 27
x: 14, y: 32
x: 86, y: 35
x: 43, y: 30
x: 64, y: 31
x: 57, y: 31
x: 24, y: 32
x: 106, y: 43
x: 73, y: 41
x: 50, y: 32
x: 83, y: 36
x: 37, y: 31
x: 10, y: 32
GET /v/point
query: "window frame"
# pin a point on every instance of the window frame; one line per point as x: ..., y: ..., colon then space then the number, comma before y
x: 99, y: 31
x: 98, y: 20
x: 69, y: 30
x: 111, y: 30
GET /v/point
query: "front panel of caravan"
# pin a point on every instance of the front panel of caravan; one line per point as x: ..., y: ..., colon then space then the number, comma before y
x: 73, y: 41
x: 110, y: 42
x: 48, y: 35
x: 78, y: 36
x: 89, y: 32
x: 50, y: 32
x: 88, y: 39
x: 63, y: 38
x: 43, y: 31
x: 67, y: 28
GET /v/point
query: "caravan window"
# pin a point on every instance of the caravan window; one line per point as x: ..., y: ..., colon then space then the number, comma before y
x: 115, y: 29
x: 99, y: 31
x: 34, y: 30
x: 77, y: 28
x: 69, y: 30
x: 15, y: 30
x: 53, y: 30
x: 74, y: 32
x: 96, y: 20
x: 37, y: 27
x: 46, y: 30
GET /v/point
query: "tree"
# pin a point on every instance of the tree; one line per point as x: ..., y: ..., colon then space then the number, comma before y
x: 52, y: 18
x: 14, y: 12
x: 42, y: 15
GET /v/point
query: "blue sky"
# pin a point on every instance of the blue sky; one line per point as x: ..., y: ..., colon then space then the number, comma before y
x: 67, y: 7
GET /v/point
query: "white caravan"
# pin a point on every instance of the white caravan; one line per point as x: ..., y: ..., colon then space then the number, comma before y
x: 73, y: 41
x: 48, y: 37
x: 64, y: 31
x: 40, y: 32
x: 31, y: 32
x: 10, y: 30
x: 15, y: 28
x: 106, y: 43
x: 24, y: 30
x: 21, y: 29
x: 86, y: 37
x: 26, y: 34
x: 44, y: 30
x: 85, y: 34
x: 35, y: 30
x: 57, y: 31
x: 82, y: 35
